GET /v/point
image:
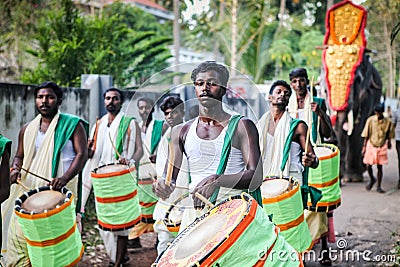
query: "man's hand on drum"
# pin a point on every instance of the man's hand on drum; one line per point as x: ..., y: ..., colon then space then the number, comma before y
x: 126, y: 161
x: 206, y: 188
x: 162, y: 190
x: 153, y: 158
x: 58, y: 183
x: 309, y: 160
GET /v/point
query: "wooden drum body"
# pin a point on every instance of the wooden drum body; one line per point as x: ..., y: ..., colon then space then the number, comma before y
x: 117, y: 203
x: 283, y: 203
x: 236, y: 232
x: 48, y: 221
x: 326, y: 178
x: 174, y: 214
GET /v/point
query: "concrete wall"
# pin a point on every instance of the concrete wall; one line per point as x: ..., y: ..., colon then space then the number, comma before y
x: 17, y: 107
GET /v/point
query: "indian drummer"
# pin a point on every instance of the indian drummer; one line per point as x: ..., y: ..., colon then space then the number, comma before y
x: 151, y: 132
x: 173, y: 109
x: 116, y: 139
x: 321, y: 129
x: 52, y: 145
x: 274, y: 128
x: 215, y: 171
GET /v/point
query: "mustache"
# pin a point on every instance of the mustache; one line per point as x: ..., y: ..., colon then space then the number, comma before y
x: 44, y: 106
x: 205, y: 94
x: 110, y: 105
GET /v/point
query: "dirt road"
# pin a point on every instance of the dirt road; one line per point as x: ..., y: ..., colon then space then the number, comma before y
x: 367, y: 227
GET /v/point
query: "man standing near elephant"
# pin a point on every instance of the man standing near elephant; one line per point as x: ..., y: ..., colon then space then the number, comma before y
x: 305, y: 106
x: 377, y: 133
x: 298, y: 103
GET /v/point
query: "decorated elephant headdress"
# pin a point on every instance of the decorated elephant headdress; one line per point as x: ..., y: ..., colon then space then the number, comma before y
x: 345, y: 41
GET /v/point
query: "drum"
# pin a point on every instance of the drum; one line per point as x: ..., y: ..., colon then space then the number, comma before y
x: 47, y: 219
x: 147, y: 200
x: 236, y: 232
x: 117, y: 203
x: 283, y: 203
x: 326, y: 178
x: 174, y: 214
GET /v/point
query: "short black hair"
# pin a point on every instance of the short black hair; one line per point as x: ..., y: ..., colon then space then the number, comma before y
x: 57, y: 90
x: 279, y: 83
x: 379, y: 108
x: 171, y: 102
x: 147, y: 100
x: 113, y: 89
x: 298, y: 72
x: 212, y: 65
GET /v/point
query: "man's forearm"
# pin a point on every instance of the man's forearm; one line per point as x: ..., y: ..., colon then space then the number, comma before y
x: 246, y: 179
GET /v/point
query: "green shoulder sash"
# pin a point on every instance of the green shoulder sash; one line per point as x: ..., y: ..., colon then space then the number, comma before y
x: 288, y: 142
x: 5, y: 143
x: 65, y: 128
x: 315, y: 194
x: 122, y: 129
x: 156, y: 135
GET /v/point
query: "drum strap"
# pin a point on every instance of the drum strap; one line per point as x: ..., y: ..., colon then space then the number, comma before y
x: 156, y: 135
x: 66, y: 126
x: 122, y: 129
x: 315, y: 193
x: 288, y: 142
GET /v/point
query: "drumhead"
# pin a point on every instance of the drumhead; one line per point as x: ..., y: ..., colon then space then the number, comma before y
x: 322, y: 151
x: 202, y: 233
x: 111, y: 168
x: 43, y: 201
x: 209, y: 231
x: 274, y: 187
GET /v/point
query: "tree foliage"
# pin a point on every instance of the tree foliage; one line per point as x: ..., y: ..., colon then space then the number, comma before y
x: 265, y: 50
x: 124, y: 42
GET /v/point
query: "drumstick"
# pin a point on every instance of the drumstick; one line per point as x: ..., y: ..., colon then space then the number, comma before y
x: 309, y: 126
x: 33, y: 174
x: 112, y: 143
x: 204, y: 199
x: 95, y: 133
x: 24, y: 186
x: 170, y: 167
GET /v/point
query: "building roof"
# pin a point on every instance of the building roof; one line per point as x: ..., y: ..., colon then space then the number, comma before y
x: 147, y: 3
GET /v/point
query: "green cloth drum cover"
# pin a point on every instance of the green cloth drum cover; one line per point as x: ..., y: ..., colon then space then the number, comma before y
x: 53, y: 239
x: 117, y: 203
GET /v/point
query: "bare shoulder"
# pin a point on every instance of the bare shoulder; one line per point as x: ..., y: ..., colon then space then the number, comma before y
x: 23, y: 128
x: 301, y: 128
x: 246, y: 131
x: 245, y: 125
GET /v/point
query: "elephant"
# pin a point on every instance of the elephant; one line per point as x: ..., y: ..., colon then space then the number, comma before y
x: 365, y: 93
